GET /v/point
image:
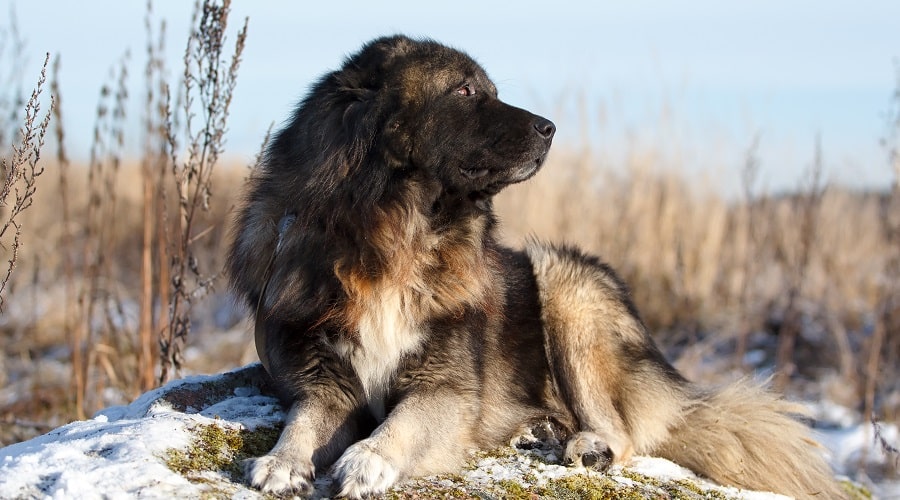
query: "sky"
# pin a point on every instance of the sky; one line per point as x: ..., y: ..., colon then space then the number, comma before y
x: 699, y: 81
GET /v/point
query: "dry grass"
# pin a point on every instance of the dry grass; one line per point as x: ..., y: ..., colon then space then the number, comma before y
x: 19, y: 177
x: 95, y: 236
x: 208, y: 85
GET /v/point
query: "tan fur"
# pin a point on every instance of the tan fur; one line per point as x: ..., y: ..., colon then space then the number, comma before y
x: 583, y: 312
x: 747, y: 436
x: 307, y: 428
x: 425, y: 274
x: 740, y: 435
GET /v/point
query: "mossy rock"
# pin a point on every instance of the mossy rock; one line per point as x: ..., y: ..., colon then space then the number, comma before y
x: 222, y: 449
x: 215, y: 460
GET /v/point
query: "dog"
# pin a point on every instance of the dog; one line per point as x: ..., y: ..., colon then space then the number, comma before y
x: 404, y: 335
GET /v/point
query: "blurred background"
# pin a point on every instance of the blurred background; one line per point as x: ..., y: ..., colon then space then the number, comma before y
x: 736, y: 162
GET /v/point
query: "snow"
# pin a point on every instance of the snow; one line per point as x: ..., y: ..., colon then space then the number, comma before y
x: 96, y: 458
x: 663, y: 469
x: 120, y: 453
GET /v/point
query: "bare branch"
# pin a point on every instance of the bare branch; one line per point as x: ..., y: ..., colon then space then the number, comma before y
x: 22, y: 172
x: 208, y: 86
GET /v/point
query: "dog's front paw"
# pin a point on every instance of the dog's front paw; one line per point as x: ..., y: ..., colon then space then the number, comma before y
x: 586, y: 449
x: 362, y: 471
x: 280, y: 475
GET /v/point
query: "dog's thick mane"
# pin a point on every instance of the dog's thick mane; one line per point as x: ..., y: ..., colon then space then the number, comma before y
x: 366, y: 226
x: 434, y: 272
x: 419, y: 275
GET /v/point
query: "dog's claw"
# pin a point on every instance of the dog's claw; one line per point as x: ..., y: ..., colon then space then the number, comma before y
x: 588, y: 450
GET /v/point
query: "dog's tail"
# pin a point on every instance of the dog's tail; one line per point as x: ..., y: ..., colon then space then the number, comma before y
x: 746, y: 436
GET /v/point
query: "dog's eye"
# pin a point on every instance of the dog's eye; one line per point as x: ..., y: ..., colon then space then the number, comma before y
x: 466, y: 90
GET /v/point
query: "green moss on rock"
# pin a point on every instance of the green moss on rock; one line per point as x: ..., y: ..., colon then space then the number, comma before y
x: 218, y: 451
x: 221, y: 449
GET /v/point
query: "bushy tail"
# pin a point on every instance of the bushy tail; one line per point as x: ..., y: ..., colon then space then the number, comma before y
x: 746, y: 436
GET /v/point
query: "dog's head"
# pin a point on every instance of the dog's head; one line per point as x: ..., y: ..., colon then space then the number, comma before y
x: 425, y: 111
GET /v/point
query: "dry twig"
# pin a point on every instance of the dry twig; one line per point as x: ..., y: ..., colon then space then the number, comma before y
x: 209, y: 82
x: 20, y: 176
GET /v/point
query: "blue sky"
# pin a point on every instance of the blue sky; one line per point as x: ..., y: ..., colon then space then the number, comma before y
x: 698, y: 79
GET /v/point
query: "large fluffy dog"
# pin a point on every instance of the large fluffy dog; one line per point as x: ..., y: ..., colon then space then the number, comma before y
x: 404, y: 335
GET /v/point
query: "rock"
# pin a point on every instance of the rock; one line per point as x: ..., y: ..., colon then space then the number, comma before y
x: 188, y: 439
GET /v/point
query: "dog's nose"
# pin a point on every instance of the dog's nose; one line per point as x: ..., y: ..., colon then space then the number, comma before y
x: 544, y: 127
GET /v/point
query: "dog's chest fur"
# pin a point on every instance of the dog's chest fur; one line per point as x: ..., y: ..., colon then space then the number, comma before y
x: 429, y: 275
x: 386, y: 334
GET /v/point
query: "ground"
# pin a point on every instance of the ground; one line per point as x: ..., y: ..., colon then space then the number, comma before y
x: 188, y: 439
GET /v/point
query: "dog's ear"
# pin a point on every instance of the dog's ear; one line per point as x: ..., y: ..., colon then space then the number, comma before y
x: 333, y: 130
x: 359, y: 121
x: 364, y: 95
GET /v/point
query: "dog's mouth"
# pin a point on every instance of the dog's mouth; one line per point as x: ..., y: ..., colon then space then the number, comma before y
x: 482, y: 196
x: 526, y: 171
x: 509, y: 176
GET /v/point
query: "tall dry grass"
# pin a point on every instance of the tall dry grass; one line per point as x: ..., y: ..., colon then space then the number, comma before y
x: 208, y: 85
x: 105, y: 339
x: 18, y: 177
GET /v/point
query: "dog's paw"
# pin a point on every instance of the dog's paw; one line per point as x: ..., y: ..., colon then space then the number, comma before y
x: 362, y: 471
x: 280, y: 475
x: 586, y: 449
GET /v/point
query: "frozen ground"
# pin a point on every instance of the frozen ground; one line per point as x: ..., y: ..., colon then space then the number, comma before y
x: 135, y: 450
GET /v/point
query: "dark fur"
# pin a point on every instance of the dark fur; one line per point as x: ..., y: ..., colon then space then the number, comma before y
x: 401, y: 331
